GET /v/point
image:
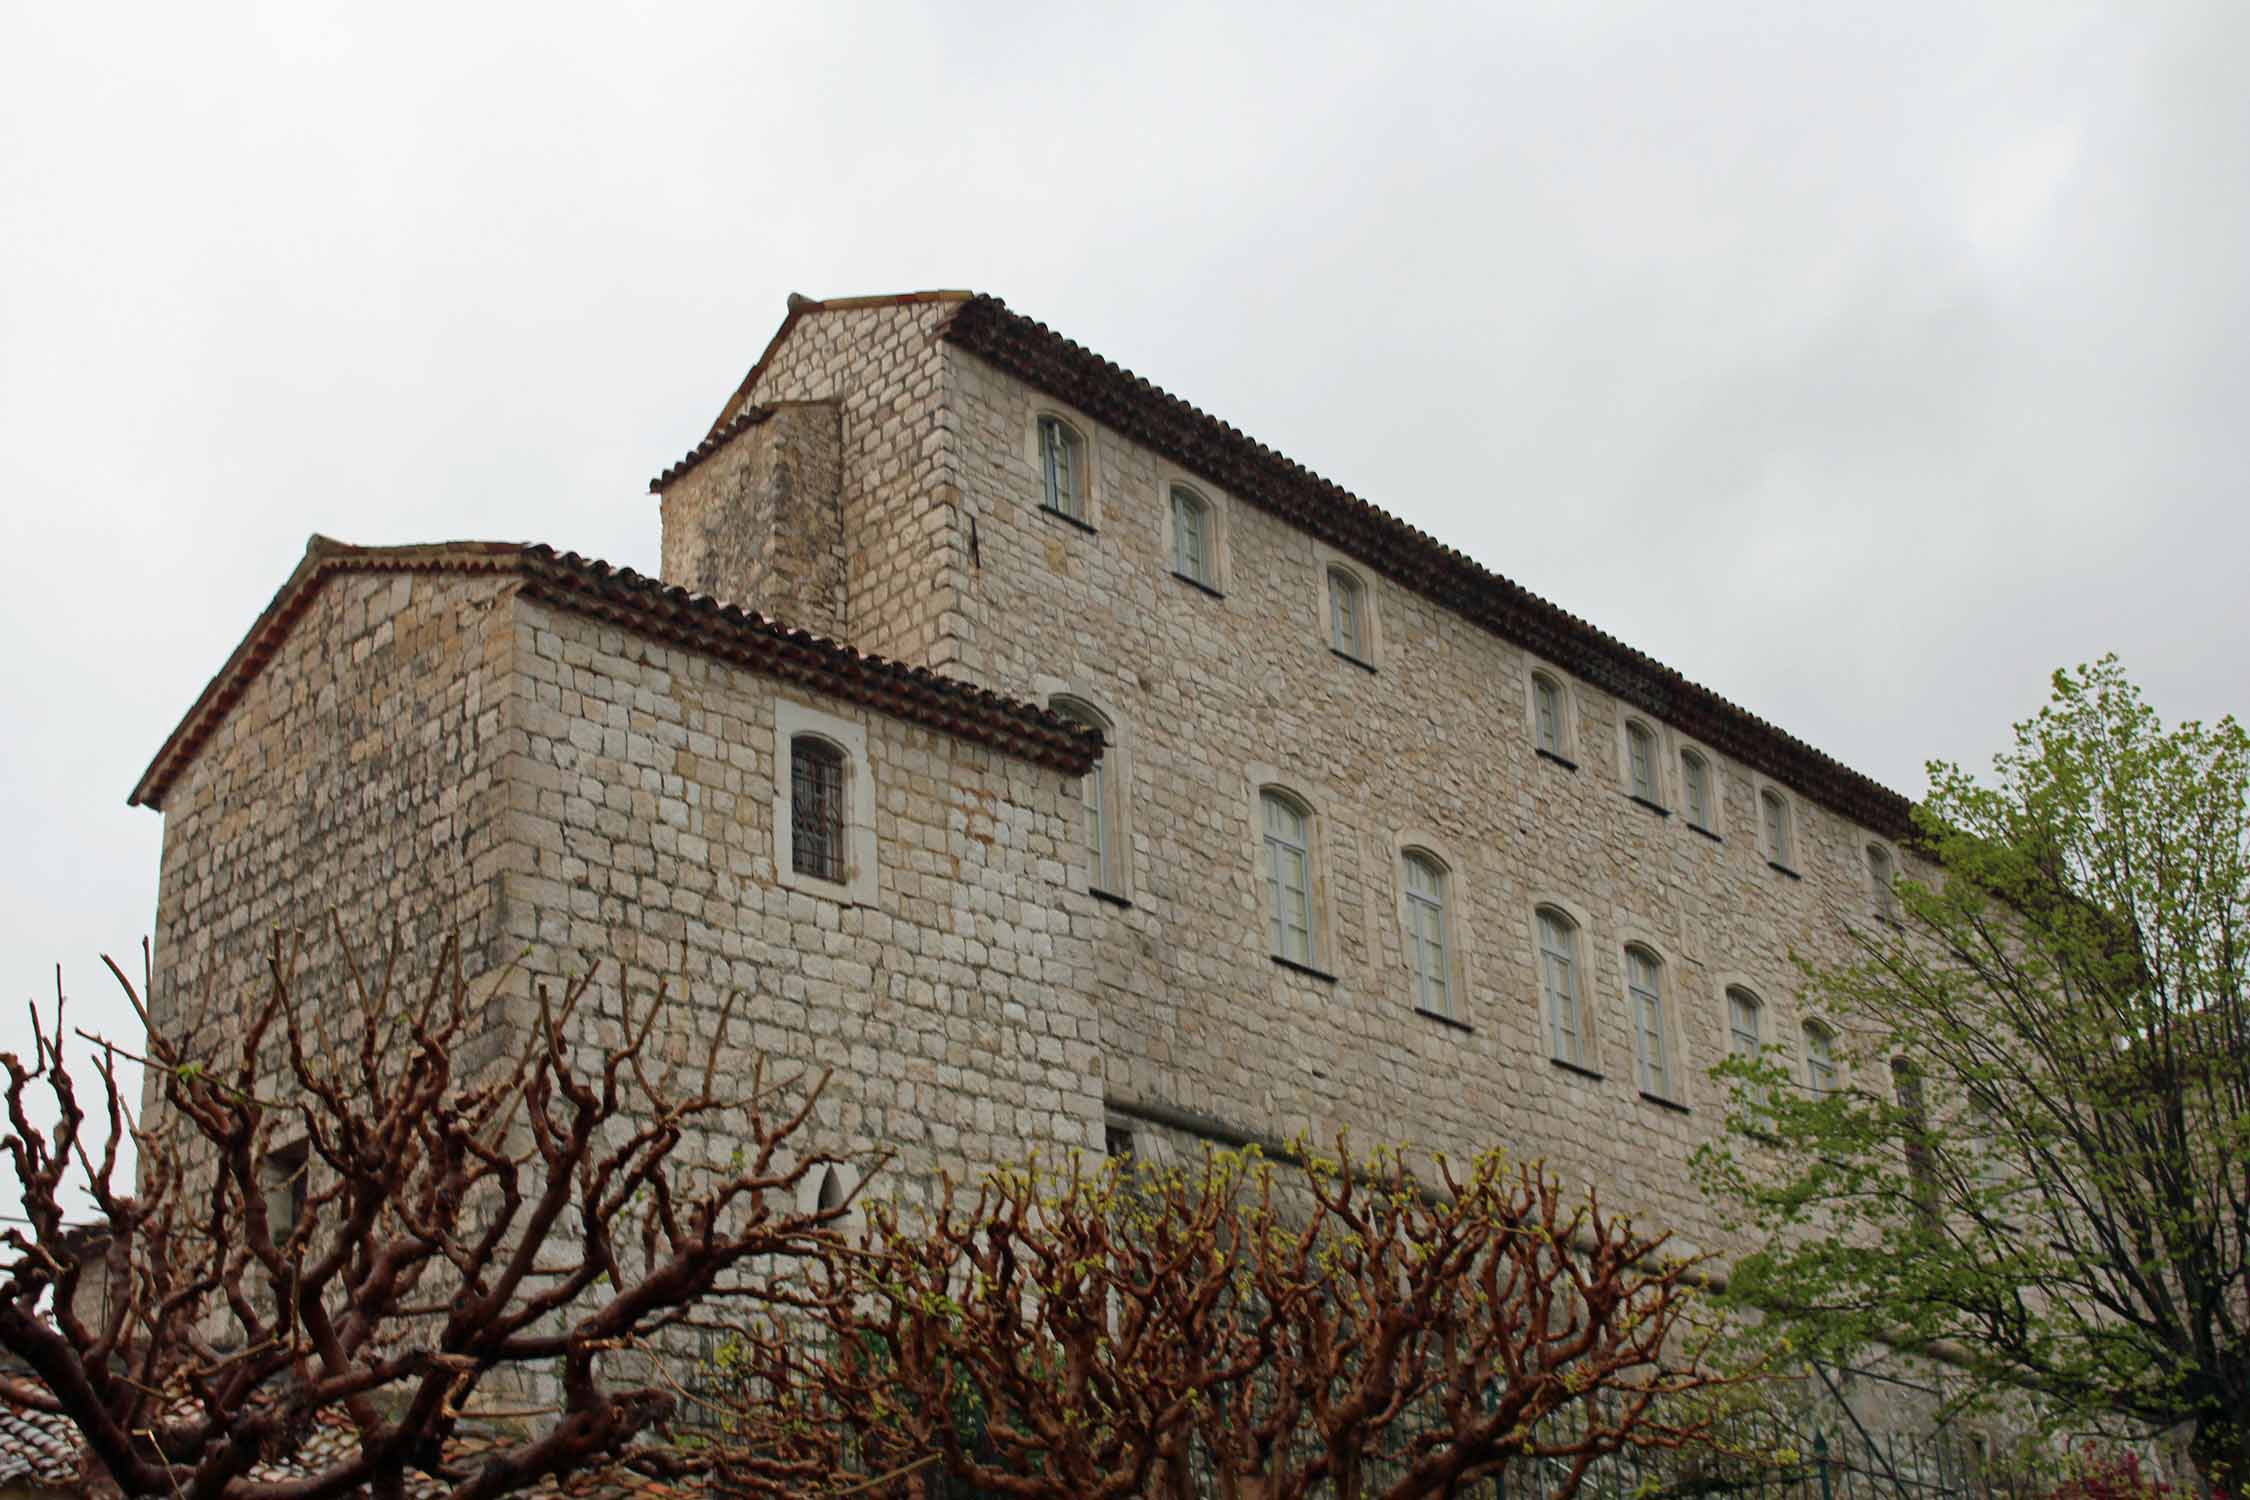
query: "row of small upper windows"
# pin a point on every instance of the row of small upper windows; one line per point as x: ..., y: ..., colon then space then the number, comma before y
x: 1351, y: 633
x: 1063, y: 470
x: 1643, y: 777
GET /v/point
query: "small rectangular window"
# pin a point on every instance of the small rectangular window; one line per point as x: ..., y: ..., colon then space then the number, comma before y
x: 1640, y: 750
x: 1558, y: 977
x: 1289, y: 879
x: 1546, y: 699
x: 816, y: 808
x: 1697, y: 776
x: 1644, y: 986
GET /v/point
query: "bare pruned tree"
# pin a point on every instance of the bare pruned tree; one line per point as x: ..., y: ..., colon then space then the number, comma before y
x: 332, y: 1227
x: 1176, y: 1334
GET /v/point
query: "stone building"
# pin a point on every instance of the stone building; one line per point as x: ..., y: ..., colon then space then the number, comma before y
x: 1058, y: 764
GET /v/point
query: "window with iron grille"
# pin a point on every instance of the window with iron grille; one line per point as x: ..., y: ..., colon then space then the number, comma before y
x: 816, y: 808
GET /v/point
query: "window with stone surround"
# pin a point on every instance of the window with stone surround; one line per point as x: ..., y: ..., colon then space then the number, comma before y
x: 1820, y: 1058
x: 823, y: 804
x: 1429, y: 943
x: 1699, y: 789
x: 1194, y: 538
x: 1552, y: 728
x: 816, y: 808
x: 1562, y: 989
x: 1641, y: 775
x: 1776, y: 830
x: 1062, y: 468
x: 1882, y: 880
x: 1347, y: 614
x: 1644, y: 998
x: 1292, y: 903
x: 1102, y: 790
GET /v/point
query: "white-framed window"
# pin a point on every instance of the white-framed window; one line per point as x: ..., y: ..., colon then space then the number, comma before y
x: 1103, y: 791
x: 1746, y: 1024
x: 1820, y: 1058
x: 1562, y: 988
x: 824, y: 804
x: 1699, y: 790
x: 1644, y: 998
x: 1195, y: 541
x: 1428, y: 938
x: 1882, y: 880
x: 1347, y: 613
x: 1291, y: 900
x: 1550, y: 714
x: 1064, y: 472
x: 1776, y: 827
x: 1641, y: 776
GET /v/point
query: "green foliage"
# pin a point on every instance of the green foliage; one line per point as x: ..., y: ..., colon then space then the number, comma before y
x: 2038, y: 1161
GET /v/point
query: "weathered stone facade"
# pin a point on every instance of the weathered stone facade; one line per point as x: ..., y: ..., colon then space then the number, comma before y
x: 1215, y: 692
x: 469, y: 746
x: 444, y: 736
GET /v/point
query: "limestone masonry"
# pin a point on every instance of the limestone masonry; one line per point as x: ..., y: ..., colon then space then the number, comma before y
x: 1212, y: 803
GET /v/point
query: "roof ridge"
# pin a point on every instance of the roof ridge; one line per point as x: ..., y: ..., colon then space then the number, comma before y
x: 1260, y: 475
x: 653, y: 608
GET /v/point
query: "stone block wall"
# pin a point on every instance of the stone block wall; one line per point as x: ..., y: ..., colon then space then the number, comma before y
x: 1219, y: 694
x: 360, y: 775
x: 760, y: 523
x: 954, y: 1005
x: 907, y: 547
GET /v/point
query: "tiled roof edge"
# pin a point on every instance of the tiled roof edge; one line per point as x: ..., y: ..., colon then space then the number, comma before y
x: 719, y: 438
x: 651, y: 608
x: 697, y: 622
x: 1240, y: 465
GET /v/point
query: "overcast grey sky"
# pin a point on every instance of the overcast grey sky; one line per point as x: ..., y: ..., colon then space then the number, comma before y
x: 1864, y: 363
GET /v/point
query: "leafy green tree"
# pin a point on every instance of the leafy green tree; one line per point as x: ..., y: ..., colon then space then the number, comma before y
x: 2036, y: 1163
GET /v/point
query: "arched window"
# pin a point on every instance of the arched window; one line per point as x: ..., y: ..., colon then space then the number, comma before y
x: 1746, y: 1029
x: 1105, y: 849
x: 1644, y: 993
x: 816, y: 807
x: 1347, y: 614
x: 1062, y: 467
x: 1560, y: 986
x: 1547, y: 714
x: 1820, y: 1058
x: 1775, y: 809
x: 1640, y: 760
x: 1289, y: 876
x: 1192, y: 541
x: 831, y: 1192
x: 1880, y: 876
x: 1695, y: 780
x: 1426, y: 934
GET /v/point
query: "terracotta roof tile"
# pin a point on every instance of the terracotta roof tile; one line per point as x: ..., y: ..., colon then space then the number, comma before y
x: 656, y: 611
x: 1258, y: 475
x: 719, y: 437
